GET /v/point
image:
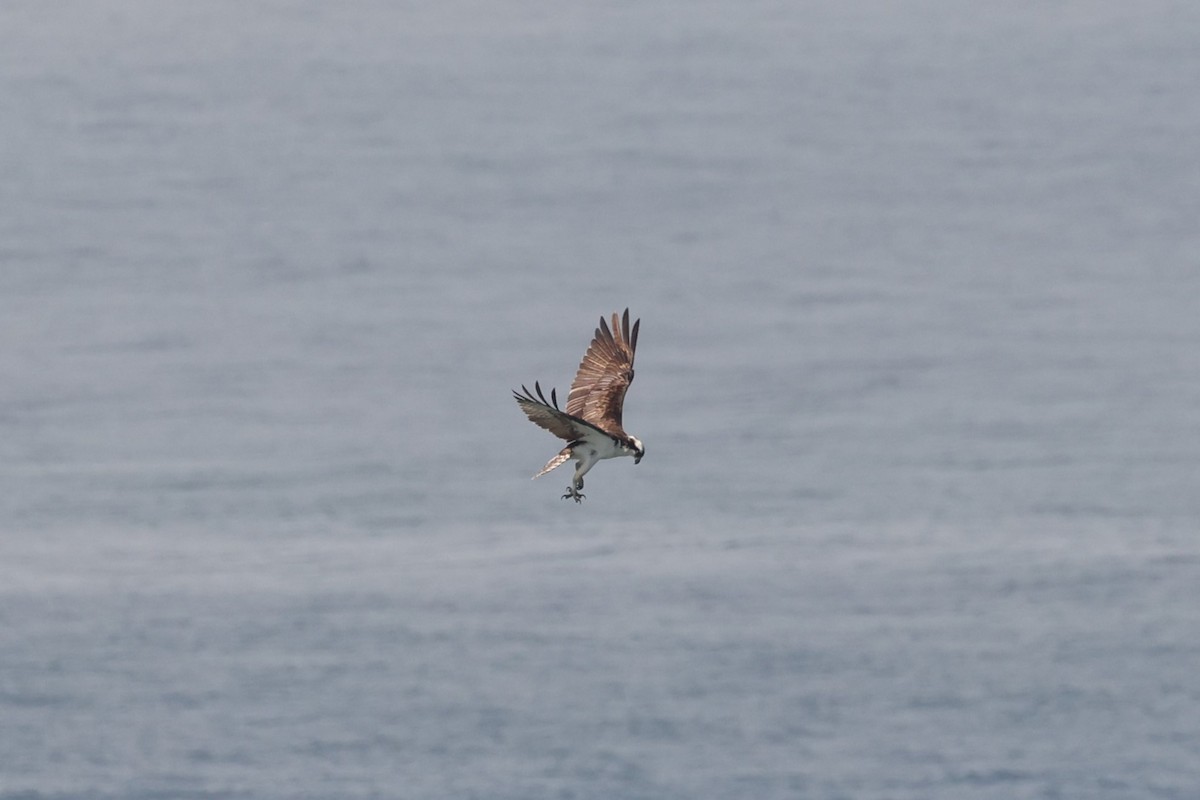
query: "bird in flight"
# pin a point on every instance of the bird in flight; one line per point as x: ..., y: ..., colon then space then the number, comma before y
x: 591, y: 423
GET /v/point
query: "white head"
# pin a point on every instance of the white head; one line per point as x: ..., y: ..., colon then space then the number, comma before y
x: 639, y: 450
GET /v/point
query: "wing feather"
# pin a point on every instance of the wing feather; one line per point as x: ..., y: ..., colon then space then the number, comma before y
x: 549, y: 416
x: 598, y: 391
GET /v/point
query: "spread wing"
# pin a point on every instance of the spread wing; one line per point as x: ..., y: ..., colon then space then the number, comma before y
x: 598, y: 391
x: 549, y: 416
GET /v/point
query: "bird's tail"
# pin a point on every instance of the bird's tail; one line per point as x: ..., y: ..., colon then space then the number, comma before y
x: 557, y: 461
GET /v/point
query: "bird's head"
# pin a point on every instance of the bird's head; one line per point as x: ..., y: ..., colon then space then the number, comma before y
x: 638, y: 448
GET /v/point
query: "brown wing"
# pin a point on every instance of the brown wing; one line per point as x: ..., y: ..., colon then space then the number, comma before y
x: 549, y: 416
x: 598, y: 391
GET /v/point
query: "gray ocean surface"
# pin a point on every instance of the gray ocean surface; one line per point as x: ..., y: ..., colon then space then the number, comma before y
x: 918, y: 379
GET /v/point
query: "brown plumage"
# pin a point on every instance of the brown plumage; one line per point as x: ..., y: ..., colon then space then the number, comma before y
x: 598, y: 391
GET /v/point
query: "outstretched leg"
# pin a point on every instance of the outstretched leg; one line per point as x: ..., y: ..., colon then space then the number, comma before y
x: 587, y: 459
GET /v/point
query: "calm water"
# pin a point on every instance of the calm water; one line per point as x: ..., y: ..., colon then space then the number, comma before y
x: 919, y: 382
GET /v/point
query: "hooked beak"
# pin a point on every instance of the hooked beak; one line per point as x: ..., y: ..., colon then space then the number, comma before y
x: 638, y: 459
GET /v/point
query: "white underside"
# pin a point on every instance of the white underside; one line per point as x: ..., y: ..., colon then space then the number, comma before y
x: 595, y: 447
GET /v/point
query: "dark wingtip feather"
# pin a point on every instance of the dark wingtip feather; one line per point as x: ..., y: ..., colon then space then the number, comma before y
x: 537, y: 387
x: 528, y: 397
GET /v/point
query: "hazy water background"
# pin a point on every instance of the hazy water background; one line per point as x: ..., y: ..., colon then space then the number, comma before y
x: 919, y: 382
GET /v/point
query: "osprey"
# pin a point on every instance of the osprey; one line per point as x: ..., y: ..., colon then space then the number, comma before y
x: 591, y: 424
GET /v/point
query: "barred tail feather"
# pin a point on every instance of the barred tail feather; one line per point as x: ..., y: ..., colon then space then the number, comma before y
x: 557, y: 461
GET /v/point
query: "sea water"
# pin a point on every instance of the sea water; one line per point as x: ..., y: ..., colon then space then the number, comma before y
x: 918, y: 380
